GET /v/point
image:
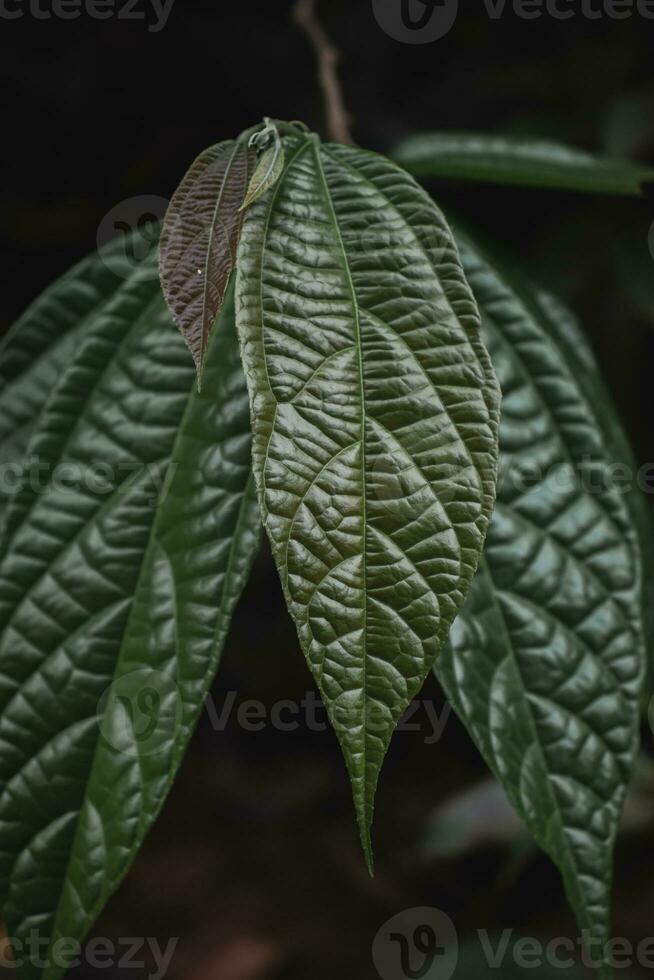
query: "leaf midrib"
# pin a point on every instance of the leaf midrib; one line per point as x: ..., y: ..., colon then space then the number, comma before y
x: 364, y: 497
x: 152, y: 541
x: 206, y: 326
x: 110, y: 364
x: 302, y: 147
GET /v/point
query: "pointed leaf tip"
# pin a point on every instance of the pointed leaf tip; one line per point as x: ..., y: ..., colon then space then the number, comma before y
x: 545, y: 661
x: 375, y: 416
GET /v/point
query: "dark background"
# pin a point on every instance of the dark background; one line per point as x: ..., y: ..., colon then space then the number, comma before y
x: 255, y: 862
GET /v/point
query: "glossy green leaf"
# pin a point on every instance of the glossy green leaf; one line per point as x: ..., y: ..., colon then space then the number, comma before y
x: 121, y: 573
x: 40, y: 344
x: 375, y: 416
x: 565, y: 331
x: 495, y: 159
x: 199, y: 240
x: 545, y: 662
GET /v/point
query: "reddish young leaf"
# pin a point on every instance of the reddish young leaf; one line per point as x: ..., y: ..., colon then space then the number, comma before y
x: 199, y: 240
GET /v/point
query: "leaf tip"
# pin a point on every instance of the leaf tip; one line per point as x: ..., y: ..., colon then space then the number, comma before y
x: 364, y: 821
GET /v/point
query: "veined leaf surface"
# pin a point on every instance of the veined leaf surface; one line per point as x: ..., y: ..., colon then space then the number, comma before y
x: 115, y: 597
x: 40, y: 344
x: 494, y: 159
x: 545, y: 662
x: 267, y: 173
x: 564, y: 329
x: 375, y: 415
x: 199, y: 239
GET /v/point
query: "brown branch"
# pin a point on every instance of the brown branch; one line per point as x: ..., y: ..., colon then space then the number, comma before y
x: 338, y: 120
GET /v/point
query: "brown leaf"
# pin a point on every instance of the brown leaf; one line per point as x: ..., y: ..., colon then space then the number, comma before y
x: 199, y: 240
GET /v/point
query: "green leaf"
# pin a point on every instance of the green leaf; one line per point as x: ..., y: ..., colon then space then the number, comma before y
x: 545, y: 662
x: 375, y: 416
x: 269, y: 170
x: 116, y: 591
x: 199, y: 240
x: 520, y: 162
x: 565, y: 331
x: 41, y: 343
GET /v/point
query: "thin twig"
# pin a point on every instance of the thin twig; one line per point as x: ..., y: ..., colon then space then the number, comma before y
x: 338, y: 120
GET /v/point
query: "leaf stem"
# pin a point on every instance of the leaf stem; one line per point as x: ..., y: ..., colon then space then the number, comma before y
x: 338, y: 119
